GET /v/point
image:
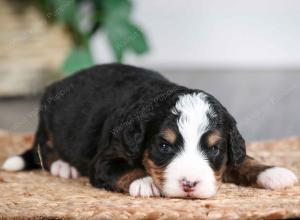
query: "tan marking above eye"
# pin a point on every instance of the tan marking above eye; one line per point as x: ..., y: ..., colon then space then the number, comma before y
x: 213, y: 138
x: 169, y: 135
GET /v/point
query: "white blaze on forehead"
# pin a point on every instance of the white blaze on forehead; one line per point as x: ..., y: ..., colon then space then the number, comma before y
x: 191, y: 163
x: 193, y: 121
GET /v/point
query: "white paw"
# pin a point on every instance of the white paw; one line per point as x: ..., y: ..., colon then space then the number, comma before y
x: 276, y: 178
x: 14, y: 163
x: 63, y: 169
x: 143, y: 187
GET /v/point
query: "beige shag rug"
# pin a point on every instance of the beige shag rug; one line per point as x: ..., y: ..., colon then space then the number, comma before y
x: 37, y: 195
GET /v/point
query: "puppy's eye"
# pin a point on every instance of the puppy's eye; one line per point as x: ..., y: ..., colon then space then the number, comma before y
x: 215, y: 150
x: 165, y: 148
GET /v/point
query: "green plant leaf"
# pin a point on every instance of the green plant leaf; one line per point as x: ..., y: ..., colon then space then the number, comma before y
x: 64, y: 11
x: 79, y: 58
x: 111, y: 15
x: 117, y: 34
x: 137, y: 41
x: 117, y: 9
x: 123, y: 36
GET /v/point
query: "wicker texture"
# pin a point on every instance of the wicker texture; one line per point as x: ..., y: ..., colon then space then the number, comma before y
x: 37, y: 195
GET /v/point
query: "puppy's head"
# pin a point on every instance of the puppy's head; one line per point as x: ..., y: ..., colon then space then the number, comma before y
x: 192, y: 146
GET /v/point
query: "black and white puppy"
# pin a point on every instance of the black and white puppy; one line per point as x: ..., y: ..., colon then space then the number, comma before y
x: 131, y: 130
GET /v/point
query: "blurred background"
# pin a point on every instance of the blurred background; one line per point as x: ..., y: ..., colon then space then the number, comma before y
x: 245, y: 53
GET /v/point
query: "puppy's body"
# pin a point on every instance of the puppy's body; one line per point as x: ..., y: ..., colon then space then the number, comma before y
x: 131, y: 130
x: 94, y: 106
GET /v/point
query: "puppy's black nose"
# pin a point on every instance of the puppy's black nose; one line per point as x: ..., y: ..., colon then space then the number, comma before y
x: 188, y: 186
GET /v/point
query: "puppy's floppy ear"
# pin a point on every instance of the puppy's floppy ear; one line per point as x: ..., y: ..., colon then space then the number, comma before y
x: 134, y: 137
x: 236, y: 146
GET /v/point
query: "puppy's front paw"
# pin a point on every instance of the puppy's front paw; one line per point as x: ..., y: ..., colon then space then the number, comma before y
x: 143, y: 187
x: 63, y: 169
x: 276, y: 178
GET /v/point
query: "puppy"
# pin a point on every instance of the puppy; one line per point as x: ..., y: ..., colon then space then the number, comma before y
x: 131, y: 130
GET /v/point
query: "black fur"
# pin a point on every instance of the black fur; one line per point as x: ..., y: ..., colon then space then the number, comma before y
x: 237, y: 148
x: 102, y: 119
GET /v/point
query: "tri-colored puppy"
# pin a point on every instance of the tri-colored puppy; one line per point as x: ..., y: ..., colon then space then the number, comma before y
x: 131, y: 130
